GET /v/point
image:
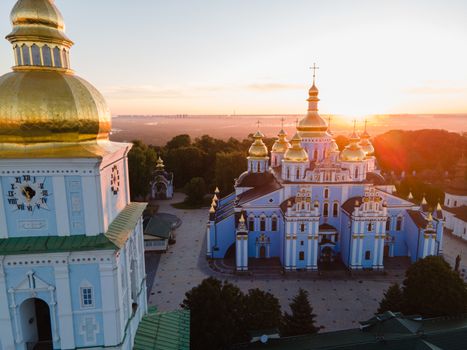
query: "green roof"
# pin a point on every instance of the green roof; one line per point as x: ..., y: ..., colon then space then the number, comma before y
x: 115, y: 237
x: 158, y: 227
x: 164, y: 330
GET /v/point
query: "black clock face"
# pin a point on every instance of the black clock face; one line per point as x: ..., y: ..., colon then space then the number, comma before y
x: 115, y: 180
x: 28, y: 193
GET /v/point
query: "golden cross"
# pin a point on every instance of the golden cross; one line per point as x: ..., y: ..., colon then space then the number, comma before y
x: 296, y: 122
x: 315, y: 67
x: 258, y: 123
x: 354, y: 125
x: 282, y: 122
x: 366, y: 121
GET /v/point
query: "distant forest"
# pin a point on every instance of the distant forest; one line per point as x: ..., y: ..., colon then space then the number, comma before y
x: 419, y: 161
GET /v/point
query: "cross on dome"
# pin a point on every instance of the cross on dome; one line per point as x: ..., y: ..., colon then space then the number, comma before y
x: 314, y: 68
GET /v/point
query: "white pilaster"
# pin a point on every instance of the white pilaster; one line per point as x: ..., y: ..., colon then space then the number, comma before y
x: 375, y: 249
x: 92, y: 210
x: 245, y: 252
x: 65, y: 313
x: 6, y: 329
x: 381, y: 251
x: 294, y: 251
x: 238, y: 251
x: 208, y: 239
x: 61, y: 205
x: 3, y: 226
x: 110, y: 303
x: 309, y: 250
x: 425, y: 246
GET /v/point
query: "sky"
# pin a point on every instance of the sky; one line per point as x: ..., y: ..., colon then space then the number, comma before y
x: 253, y: 56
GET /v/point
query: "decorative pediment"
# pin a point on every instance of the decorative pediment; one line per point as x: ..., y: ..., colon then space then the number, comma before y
x: 32, y: 283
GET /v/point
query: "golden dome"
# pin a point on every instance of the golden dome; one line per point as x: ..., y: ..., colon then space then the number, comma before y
x: 313, y: 125
x: 50, y: 106
x: 160, y: 164
x: 296, y: 153
x: 281, y: 145
x: 334, y: 147
x: 42, y: 101
x: 38, y: 20
x: 258, y: 149
x: 367, y: 147
x: 353, y: 152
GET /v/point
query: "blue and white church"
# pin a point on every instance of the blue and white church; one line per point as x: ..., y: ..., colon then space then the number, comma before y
x: 72, y: 272
x: 307, y: 203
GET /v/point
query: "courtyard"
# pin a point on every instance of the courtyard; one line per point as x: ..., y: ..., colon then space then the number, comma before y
x: 340, y: 301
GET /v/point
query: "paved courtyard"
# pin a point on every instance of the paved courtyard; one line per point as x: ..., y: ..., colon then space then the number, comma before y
x: 339, y: 303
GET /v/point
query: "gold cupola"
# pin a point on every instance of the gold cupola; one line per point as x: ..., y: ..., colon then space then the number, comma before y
x: 160, y: 164
x: 296, y: 153
x: 44, y: 106
x: 353, y: 152
x: 313, y: 125
x: 282, y: 144
x: 258, y: 149
x: 365, y: 143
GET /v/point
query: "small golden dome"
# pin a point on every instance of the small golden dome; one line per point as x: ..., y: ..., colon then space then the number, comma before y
x: 37, y: 20
x: 352, y: 153
x: 281, y: 145
x: 160, y: 164
x: 334, y: 147
x: 313, y: 122
x: 367, y: 147
x: 258, y: 149
x: 296, y: 153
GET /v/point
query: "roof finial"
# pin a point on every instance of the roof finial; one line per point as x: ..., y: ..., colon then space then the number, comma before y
x: 282, y: 123
x: 258, y: 123
x: 315, y: 67
x: 354, y: 126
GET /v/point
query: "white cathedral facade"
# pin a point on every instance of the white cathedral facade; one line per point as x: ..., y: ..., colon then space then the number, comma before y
x: 72, y: 272
x: 307, y: 203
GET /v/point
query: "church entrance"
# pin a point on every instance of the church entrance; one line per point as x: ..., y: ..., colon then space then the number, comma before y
x: 35, y: 322
x: 386, y: 251
x: 262, y: 252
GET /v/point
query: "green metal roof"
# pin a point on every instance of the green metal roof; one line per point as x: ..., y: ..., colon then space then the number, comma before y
x: 158, y: 227
x: 116, y: 236
x: 164, y: 330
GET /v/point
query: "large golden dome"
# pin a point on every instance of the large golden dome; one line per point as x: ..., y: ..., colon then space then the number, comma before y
x: 42, y: 102
x: 296, y: 153
x: 353, y: 152
x: 313, y: 125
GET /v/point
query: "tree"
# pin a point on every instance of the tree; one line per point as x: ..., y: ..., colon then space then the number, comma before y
x: 228, y: 167
x: 215, y: 315
x: 138, y: 170
x: 195, y: 190
x: 432, y: 288
x: 302, y: 319
x: 392, y: 300
x: 186, y: 163
x: 262, y: 310
x: 178, y: 141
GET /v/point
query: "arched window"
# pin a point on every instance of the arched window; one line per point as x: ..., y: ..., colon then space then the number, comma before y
x: 18, y: 56
x: 370, y: 226
x: 262, y: 224
x: 302, y: 227
x: 298, y: 174
x: 274, y: 224
x: 399, y: 223
x: 288, y: 173
x: 47, y: 56
x: 315, y: 156
x: 301, y: 256
x: 57, y: 60
x: 64, y: 59
x: 367, y: 255
x: 335, y: 209
x: 388, y: 224
x: 303, y: 206
x: 356, y: 172
x: 326, y: 193
x: 326, y: 210
x: 251, y: 223
x: 36, y: 55
x: 455, y: 203
x: 26, y: 56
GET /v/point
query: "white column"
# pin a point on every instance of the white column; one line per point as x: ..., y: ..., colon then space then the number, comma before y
x: 110, y: 303
x: 425, y: 246
x: 287, y: 252
x: 354, y: 250
x: 375, y: 250
x: 238, y: 260
x: 3, y: 225
x: 6, y: 325
x: 294, y: 250
x: 360, y: 251
x: 381, y: 250
x: 61, y: 206
x: 65, y: 311
x: 245, y: 252
x: 208, y: 239
x: 92, y: 211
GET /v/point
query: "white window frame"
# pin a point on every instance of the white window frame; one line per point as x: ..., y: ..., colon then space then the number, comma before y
x: 82, y: 297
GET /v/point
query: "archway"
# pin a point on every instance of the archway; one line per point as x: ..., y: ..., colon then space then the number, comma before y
x: 262, y: 252
x: 35, y: 323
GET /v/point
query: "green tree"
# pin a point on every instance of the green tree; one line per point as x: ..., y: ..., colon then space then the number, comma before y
x: 138, y: 170
x: 302, y: 319
x: 178, y: 141
x: 228, y: 167
x: 432, y: 288
x: 392, y: 300
x: 216, y: 310
x: 186, y: 163
x: 262, y: 310
x: 195, y: 190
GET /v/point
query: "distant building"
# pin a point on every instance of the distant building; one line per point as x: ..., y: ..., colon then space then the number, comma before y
x: 384, y: 331
x: 162, y: 183
x: 159, y: 232
x: 455, y: 201
x: 309, y: 203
